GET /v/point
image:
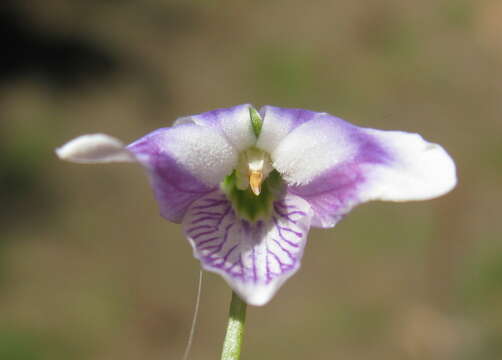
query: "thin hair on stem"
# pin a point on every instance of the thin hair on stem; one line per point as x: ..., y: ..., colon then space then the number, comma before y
x: 194, y: 320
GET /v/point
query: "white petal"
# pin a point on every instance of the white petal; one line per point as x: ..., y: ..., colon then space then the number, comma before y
x: 311, y: 149
x: 233, y: 123
x: 274, y: 129
x: 94, y: 148
x: 201, y: 150
x: 279, y: 122
x: 238, y: 129
x: 419, y: 171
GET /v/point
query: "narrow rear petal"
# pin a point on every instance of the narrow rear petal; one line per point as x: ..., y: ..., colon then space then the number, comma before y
x: 233, y: 123
x: 184, y: 162
x: 94, y: 148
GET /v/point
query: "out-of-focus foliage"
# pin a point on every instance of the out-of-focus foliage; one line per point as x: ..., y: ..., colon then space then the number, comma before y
x: 88, y: 270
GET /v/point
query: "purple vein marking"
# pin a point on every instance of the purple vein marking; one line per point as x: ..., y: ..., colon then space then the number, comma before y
x: 295, y: 245
x: 199, y: 227
x: 219, y: 246
x: 229, y: 252
x: 195, y: 237
x: 208, y: 213
x: 198, y: 220
x: 287, y: 215
x: 209, y: 247
x: 279, y: 230
x: 225, y: 213
x: 214, y: 200
x: 284, y: 215
x: 201, y: 207
x: 282, y: 266
x: 239, y: 263
x: 206, y: 241
x: 298, y: 234
x: 286, y: 251
x: 284, y: 205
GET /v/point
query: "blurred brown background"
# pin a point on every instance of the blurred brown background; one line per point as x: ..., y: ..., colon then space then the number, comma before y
x: 88, y: 270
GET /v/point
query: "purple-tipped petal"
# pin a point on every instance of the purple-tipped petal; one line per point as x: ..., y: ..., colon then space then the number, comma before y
x: 254, y: 258
x: 415, y: 169
x: 185, y: 162
x: 234, y: 123
x: 335, y: 165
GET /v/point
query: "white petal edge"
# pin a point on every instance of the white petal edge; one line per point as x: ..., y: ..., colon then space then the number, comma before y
x: 94, y: 148
x: 420, y: 171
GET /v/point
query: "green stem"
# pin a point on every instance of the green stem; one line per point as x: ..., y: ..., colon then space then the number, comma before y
x: 235, y: 329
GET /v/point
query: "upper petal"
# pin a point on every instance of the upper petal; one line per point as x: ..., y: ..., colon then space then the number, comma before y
x: 335, y: 165
x: 279, y: 122
x: 233, y: 123
x: 313, y: 146
x: 254, y: 258
x: 184, y: 162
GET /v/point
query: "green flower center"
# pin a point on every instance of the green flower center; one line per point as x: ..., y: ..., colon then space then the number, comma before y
x: 254, y: 184
x: 246, y: 203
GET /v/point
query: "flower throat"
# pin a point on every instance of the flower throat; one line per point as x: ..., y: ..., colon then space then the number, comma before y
x: 254, y: 184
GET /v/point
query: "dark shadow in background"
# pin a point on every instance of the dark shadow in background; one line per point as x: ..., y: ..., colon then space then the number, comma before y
x: 63, y: 61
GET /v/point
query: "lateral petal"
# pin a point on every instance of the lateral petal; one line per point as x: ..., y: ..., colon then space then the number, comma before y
x: 415, y: 169
x: 389, y: 165
x: 184, y: 162
x: 314, y: 146
x: 335, y: 165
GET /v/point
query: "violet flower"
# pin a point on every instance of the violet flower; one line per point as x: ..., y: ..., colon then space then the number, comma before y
x: 247, y: 185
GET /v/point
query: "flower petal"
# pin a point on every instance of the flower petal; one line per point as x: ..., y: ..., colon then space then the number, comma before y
x: 234, y: 123
x: 333, y: 194
x: 313, y: 147
x: 335, y: 165
x: 389, y: 165
x: 254, y: 258
x: 415, y: 170
x: 94, y: 148
x: 185, y: 162
x: 279, y: 122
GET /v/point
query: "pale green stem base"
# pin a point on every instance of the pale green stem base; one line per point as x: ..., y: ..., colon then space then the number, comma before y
x: 235, y: 329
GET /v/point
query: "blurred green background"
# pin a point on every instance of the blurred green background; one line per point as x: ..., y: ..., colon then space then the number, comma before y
x: 88, y: 270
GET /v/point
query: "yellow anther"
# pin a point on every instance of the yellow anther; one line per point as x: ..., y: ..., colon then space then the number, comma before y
x: 255, y: 180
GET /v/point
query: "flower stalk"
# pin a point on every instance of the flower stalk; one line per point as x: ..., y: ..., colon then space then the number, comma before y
x: 235, y: 329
